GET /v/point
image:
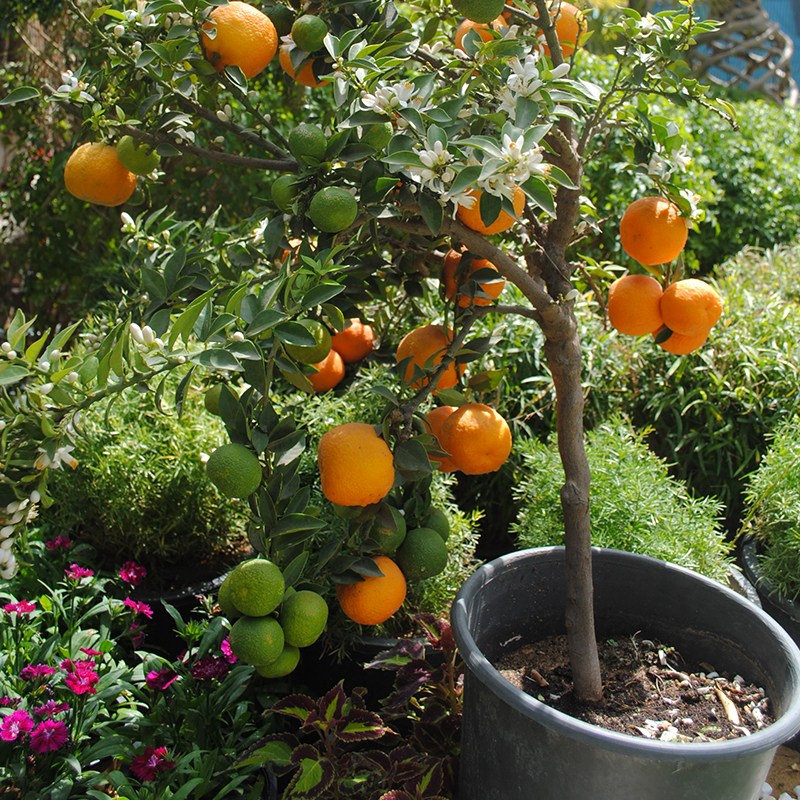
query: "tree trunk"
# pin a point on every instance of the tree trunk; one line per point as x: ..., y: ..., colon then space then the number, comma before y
x: 564, y: 357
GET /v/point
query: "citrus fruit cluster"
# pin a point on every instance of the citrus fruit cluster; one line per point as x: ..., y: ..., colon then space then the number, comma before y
x: 681, y: 316
x: 332, y: 352
x: 270, y: 622
x: 456, y: 278
x: 404, y: 555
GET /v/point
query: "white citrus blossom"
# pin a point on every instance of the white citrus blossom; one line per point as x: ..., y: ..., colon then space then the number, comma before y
x: 390, y: 97
x: 434, y: 173
x: 61, y: 456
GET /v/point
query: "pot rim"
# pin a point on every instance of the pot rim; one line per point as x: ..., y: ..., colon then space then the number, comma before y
x: 783, y: 729
x: 763, y: 584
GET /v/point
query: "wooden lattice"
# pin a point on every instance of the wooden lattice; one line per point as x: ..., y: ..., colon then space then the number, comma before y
x: 749, y: 51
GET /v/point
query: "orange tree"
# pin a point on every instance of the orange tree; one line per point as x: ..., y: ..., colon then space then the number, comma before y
x: 406, y: 145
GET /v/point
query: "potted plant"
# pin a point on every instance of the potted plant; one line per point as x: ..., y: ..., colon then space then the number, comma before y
x: 770, y: 549
x: 418, y: 147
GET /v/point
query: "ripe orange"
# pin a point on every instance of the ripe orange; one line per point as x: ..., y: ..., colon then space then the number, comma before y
x: 634, y: 304
x: 570, y: 24
x: 374, y: 600
x: 245, y: 38
x: 453, y: 280
x: 681, y: 345
x: 355, y: 342
x: 477, y: 438
x: 652, y: 231
x: 471, y: 216
x: 356, y: 466
x: 435, y: 421
x: 94, y: 173
x: 691, y: 307
x: 427, y: 343
x: 481, y: 28
x: 305, y: 74
x: 330, y: 372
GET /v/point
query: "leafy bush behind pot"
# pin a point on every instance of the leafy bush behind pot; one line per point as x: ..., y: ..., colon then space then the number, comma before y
x: 140, y: 489
x: 773, y: 506
x: 747, y: 180
x: 635, y: 504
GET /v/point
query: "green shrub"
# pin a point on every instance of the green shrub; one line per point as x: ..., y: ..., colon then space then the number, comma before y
x: 773, y: 509
x: 140, y: 489
x: 635, y: 504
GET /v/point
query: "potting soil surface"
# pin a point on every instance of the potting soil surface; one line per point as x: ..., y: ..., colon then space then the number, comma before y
x: 648, y: 691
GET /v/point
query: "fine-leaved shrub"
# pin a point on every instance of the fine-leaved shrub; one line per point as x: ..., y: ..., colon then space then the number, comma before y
x: 635, y: 504
x: 773, y: 509
x: 140, y: 489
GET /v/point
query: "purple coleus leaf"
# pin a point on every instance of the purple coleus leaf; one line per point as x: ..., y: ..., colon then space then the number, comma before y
x: 298, y: 706
x: 438, y: 631
x: 333, y: 703
x: 360, y: 725
x: 428, y: 785
x: 396, y: 794
x: 313, y: 777
x: 398, y: 655
x: 410, y: 678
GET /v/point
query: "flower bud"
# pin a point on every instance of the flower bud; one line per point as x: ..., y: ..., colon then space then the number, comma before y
x: 136, y: 332
x: 6, y: 531
x: 222, y: 116
x: 36, y: 497
x: 5, y: 347
x: 148, y: 335
x: 46, y: 388
x: 238, y: 336
x: 73, y: 377
x: 119, y: 30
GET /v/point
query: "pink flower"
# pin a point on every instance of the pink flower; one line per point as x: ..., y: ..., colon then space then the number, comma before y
x: 91, y: 651
x: 34, y: 671
x: 49, y: 735
x: 75, y: 572
x: 50, y: 708
x: 160, y: 679
x: 137, y: 634
x: 138, y: 608
x: 6, y: 701
x: 227, y: 652
x: 152, y: 762
x: 81, y: 677
x: 23, y: 607
x: 132, y: 573
x: 17, y: 723
x: 58, y: 542
x: 209, y: 667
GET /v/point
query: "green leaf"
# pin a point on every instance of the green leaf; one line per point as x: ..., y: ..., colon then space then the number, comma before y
x: 185, y: 322
x: 432, y: 212
x: 465, y: 179
x: 279, y: 753
x: 20, y: 95
x: 264, y: 320
x: 293, y: 523
x: 539, y: 192
x: 451, y: 397
x: 411, y: 459
x: 527, y: 111
x: 12, y: 373
x: 488, y: 380
x: 218, y: 359
x: 560, y: 177
x: 17, y: 329
x: 321, y: 294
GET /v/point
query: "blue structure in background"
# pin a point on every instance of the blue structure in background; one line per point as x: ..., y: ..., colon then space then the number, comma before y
x: 787, y: 14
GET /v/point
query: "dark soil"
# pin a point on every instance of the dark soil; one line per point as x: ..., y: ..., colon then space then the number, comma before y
x: 649, y: 691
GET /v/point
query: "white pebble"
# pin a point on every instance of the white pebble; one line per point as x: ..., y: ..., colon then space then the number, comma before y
x: 712, y: 675
x: 766, y: 790
x: 796, y: 791
x: 785, y: 796
x: 738, y: 679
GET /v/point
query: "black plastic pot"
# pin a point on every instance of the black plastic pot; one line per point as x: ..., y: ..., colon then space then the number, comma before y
x: 783, y: 611
x: 515, y: 747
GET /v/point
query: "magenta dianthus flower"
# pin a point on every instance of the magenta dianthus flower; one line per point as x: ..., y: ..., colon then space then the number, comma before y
x: 22, y: 607
x: 50, y: 708
x: 58, y: 542
x: 76, y: 572
x: 81, y: 677
x: 138, y: 608
x: 34, y: 671
x: 90, y: 651
x: 209, y: 667
x: 132, y: 573
x: 160, y: 679
x: 16, y: 724
x: 49, y: 735
x: 152, y: 762
x: 227, y: 652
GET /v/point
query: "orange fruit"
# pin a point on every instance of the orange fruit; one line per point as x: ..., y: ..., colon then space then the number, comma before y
x: 355, y: 342
x: 435, y: 421
x: 570, y: 24
x: 652, y: 231
x: 428, y: 343
x: 330, y: 372
x: 305, y: 74
x: 477, y: 438
x: 375, y: 599
x: 94, y: 173
x: 681, y: 345
x: 634, y: 304
x: 481, y: 28
x: 356, y: 466
x: 245, y: 38
x: 691, y: 307
x: 453, y: 280
x: 471, y: 216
